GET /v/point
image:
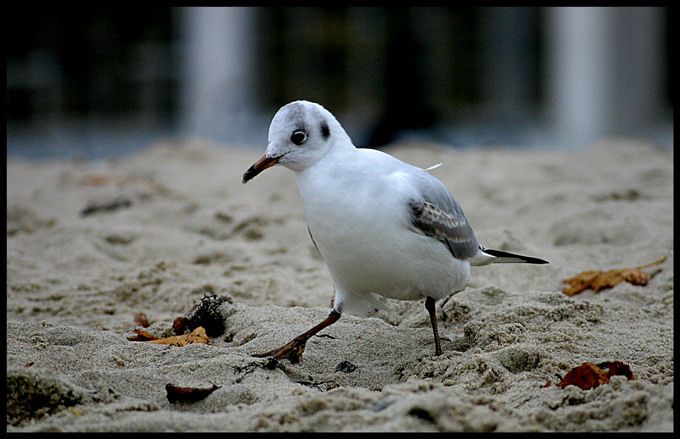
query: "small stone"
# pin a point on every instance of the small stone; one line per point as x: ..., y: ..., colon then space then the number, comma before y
x: 346, y: 367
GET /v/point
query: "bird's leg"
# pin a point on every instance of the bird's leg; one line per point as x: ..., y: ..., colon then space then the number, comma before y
x: 293, y: 350
x: 429, y: 306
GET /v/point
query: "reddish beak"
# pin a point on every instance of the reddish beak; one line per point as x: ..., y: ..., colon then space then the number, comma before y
x: 263, y: 163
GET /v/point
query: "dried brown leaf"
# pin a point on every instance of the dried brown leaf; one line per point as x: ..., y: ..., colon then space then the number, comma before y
x: 198, y: 336
x: 187, y: 394
x: 618, y: 368
x: 180, y: 324
x: 599, y: 280
x: 589, y: 375
x: 143, y: 336
x: 585, y: 376
x: 141, y: 319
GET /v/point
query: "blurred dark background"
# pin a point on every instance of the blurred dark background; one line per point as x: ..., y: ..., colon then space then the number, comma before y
x: 101, y: 82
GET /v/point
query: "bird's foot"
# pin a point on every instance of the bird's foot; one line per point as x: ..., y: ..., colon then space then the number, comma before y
x: 291, y: 351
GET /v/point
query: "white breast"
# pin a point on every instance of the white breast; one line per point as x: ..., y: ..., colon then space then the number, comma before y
x: 364, y: 233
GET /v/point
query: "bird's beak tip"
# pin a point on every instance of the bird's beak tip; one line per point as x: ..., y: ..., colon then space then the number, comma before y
x: 263, y: 163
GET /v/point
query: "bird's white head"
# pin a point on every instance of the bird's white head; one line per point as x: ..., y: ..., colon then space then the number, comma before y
x: 300, y: 134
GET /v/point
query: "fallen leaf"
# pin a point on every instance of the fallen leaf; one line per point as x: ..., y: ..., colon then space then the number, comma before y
x: 143, y: 336
x: 618, y: 368
x: 589, y: 375
x: 198, y: 336
x: 141, y: 319
x: 585, y: 376
x: 187, y: 394
x: 179, y: 324
x: 598, y: 280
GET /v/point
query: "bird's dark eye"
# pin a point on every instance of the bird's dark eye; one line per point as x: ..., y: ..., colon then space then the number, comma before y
x: 298, y: 137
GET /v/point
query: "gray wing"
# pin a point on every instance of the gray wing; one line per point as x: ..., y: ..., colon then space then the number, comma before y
x: 437, y: 214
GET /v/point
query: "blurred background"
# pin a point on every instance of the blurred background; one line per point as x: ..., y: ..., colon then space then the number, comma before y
x: 101, y: 82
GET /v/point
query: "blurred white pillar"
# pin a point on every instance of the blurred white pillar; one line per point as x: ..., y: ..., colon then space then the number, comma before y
x: 579, y: 43
x: 217, y: 52
x: 604, y: 68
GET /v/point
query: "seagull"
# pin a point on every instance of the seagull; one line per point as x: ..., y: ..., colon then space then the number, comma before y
x: 383, y: 226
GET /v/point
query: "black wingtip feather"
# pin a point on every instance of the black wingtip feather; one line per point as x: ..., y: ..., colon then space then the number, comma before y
x: 527, y: 259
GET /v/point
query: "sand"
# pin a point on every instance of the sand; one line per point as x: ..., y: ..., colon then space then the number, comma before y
x: 91, y: 244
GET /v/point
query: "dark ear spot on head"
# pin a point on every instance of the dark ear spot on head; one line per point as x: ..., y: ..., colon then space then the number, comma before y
x: 325, y: 131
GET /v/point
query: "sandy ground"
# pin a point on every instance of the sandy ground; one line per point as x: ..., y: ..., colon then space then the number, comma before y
x: 180, y: 224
